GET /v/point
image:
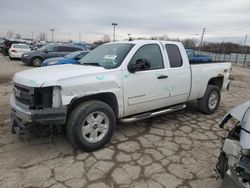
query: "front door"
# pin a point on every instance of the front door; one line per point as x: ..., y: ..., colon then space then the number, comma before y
x: 146, y: 89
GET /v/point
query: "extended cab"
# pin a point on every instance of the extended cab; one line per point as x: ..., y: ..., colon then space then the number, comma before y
x: 119, y: 81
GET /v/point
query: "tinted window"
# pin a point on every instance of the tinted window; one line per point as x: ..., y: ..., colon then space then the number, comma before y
x: 73, y: 49
x: 151, y: 53
x: 73, y: 54
x: 82, y: 55
x: 49, y: 48
x: 174, y: 55
x: 63, y: 49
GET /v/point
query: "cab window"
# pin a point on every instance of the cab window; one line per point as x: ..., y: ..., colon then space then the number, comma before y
x: 174, y: 55
x: 152, y: 54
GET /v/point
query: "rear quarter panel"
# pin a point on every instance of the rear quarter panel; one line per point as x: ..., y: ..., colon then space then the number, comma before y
x: 202, y: 73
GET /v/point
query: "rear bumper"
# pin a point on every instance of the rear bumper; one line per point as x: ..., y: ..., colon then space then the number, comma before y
x: 15, y: 55
x: 54, y: 116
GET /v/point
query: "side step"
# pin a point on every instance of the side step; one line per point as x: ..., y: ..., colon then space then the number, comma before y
x: 152, y: 114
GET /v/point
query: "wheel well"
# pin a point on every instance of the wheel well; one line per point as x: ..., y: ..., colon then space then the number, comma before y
x: 108, y: 98
x: 217, y: 81
x: 36, y: 57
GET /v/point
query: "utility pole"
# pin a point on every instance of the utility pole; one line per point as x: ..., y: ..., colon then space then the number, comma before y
x: 80, y: 38
x: 244, y: 45
x: 114, y: 25
x: 52, y: 32
x: 32, y: 35
x: 222, y: 45
x: 202, y: 36
x: 245, y: 51
x: 129, y: 36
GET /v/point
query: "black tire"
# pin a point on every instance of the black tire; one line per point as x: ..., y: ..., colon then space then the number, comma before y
x: 10, y: 58
x: 203, y: 103
x: 36, y: 61
x: 78, y: 116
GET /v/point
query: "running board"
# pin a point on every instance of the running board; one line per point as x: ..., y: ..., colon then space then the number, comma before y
x: 152, y: 114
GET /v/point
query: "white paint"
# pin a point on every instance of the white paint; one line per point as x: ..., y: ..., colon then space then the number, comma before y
x: 18, y: 52
x: 135, y: 92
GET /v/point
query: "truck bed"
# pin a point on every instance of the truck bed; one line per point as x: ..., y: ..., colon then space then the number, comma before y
x: 204, y: 71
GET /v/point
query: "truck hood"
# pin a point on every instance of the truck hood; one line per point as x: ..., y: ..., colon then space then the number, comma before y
x: 48, y: 76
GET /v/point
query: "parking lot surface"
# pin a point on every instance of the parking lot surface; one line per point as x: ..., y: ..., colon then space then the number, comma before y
x: 172, y: 150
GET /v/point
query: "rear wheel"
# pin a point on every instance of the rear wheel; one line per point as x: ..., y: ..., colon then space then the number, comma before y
x: 37, y: 61
x: 210, y: 101
x: 91, y: 125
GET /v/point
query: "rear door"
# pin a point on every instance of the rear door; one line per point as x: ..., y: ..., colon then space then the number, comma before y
x: 146, y: 89
x: 63, y: 50
x: 179, y: 73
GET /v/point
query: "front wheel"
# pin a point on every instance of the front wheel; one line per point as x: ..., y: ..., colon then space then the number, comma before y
x: 36, y: 61
x: 209, y: 103
x: 91, y: 125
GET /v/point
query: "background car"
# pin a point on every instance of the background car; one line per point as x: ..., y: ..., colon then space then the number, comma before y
x: 7, y: 44
x: 36, y: 58
x: 17, y: 50
x: 1, y: 44
x: 194, y: 57
x: 84, y: 45
x: 71, y: 58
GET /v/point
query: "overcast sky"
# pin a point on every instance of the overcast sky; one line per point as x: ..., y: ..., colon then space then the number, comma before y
x: 228, y: 19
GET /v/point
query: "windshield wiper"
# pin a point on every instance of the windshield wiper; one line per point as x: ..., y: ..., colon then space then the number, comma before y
x: 93, y: 64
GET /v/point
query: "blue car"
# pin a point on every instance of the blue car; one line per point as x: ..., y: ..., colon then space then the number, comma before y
x: 194, y: 57
x: 71, y: 58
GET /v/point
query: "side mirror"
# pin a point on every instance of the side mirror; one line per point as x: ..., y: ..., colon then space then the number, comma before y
x: 46, y: 51
x: 140, y: 65
x: 132, y: 68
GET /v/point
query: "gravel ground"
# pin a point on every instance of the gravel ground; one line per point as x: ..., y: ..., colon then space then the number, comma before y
x: 173, y: 150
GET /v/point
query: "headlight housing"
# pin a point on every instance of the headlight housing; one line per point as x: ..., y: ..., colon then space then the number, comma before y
x: 25, y: 55
x: 56, y: 97
x: 47, y: 97
x: 43, y: 97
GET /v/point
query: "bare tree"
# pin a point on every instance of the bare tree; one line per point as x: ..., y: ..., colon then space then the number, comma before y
x: 18, y: 36
x: 10, y: 34
x: 189, y: 43
x: 106, y: 38
x: 42, y: 36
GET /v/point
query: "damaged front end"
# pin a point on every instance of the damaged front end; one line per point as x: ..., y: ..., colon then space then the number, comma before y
x: 36, y: 105
x: 234, y: 161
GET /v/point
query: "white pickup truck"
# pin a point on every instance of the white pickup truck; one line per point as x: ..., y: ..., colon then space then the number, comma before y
x: 119, y: 81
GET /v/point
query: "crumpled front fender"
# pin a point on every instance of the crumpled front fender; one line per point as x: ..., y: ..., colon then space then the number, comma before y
x: 237, y: 112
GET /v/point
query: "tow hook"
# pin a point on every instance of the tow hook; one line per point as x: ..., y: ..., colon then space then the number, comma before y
x: 17, y: 127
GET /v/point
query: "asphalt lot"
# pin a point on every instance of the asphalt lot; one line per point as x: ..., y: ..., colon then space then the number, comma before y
x: 173, y: 150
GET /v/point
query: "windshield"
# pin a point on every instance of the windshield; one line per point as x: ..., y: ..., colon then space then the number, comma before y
x: 73, y: 54
x: 108, y: 56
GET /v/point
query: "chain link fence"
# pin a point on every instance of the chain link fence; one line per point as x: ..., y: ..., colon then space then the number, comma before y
x: 237, y: 59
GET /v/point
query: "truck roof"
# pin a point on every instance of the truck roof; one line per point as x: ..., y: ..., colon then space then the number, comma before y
x: 147, y: 42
